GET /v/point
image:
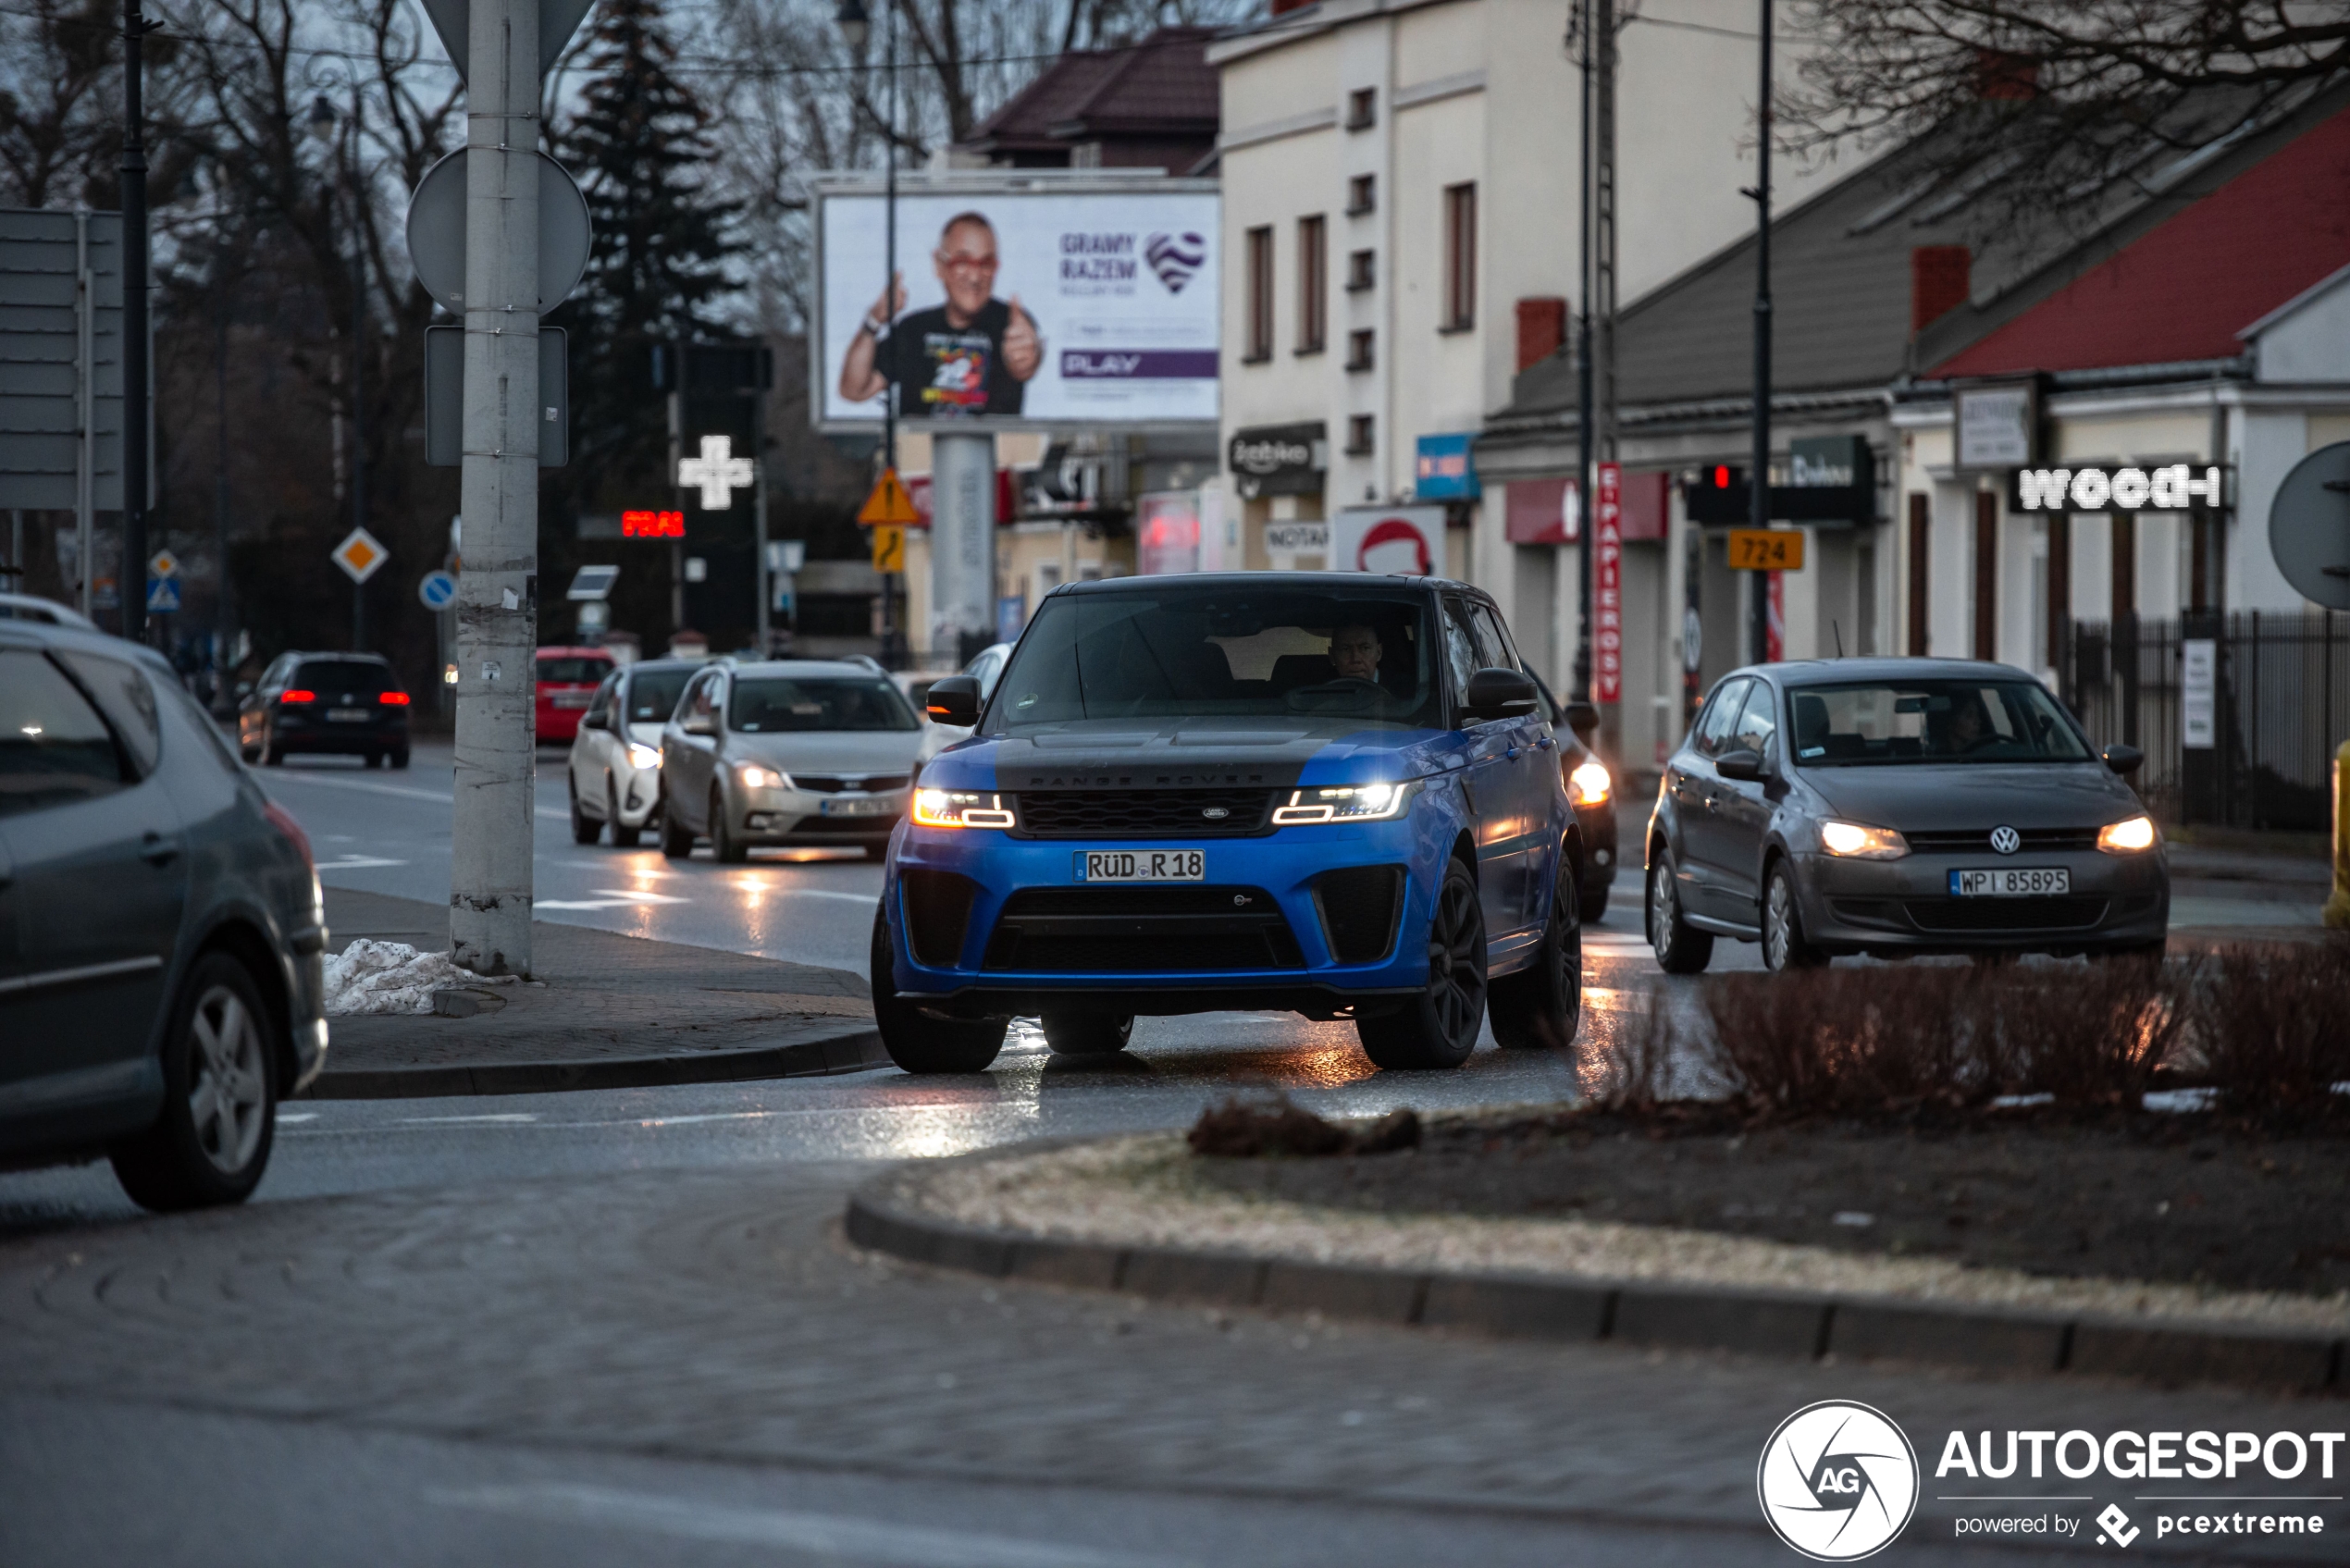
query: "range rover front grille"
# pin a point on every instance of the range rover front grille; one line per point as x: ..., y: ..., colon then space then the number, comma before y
x: 1141, y: 813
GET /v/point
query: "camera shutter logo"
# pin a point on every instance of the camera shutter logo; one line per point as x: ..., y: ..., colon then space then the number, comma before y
x: 1837, y: 1481
x: 2005, y: 840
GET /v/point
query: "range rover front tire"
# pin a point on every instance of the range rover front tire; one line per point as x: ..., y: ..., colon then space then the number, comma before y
x: 1438, y: 1027
x: 919, y: 1040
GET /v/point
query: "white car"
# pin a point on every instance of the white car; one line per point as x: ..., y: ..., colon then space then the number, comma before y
x: 615, y: 759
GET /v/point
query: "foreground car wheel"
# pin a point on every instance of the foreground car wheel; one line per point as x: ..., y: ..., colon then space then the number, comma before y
x: 1783, y: 944
x: 1438, y: 1027
x: 1680, y: 948
x: 917, y: 1041
x: 219, y: 1097
x: 584, y: 828
x: 677, y: 838
x: 1540, y: 1008
x: 622, y: 836
x: 725, y: 847
x: 1088, y: 1034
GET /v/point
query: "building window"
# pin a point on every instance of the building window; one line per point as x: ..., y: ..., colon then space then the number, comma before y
x: 1359, y: 431
x: 1362, y: 271
x: 1313, y: 284
x: 1260, y: 296
x: 1359, y: 350
x: 1362, y: 108
x: 1362, y: 195
x: 1460, y: 258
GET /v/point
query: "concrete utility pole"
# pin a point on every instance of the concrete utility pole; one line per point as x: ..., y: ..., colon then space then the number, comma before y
x: 490, y: 892
x: 962, y: 544
x: 1759, y: 482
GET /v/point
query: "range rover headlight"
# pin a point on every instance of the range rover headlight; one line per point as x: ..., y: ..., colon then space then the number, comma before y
x: 2128, y: 837
x: 959, y: 809
x: 1857, y: 842
x: 1347, y: 803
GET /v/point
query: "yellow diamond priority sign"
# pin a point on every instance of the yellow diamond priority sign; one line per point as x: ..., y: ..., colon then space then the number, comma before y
x: 361, y: 555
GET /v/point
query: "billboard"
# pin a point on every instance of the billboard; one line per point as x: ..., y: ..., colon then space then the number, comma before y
x: 1019, y: 302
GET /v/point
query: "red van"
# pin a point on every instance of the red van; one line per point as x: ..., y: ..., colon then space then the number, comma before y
x: 567, y: 681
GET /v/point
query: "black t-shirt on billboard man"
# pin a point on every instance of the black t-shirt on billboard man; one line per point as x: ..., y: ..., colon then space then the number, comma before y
x: 944, y: 371
x: 971, y: 355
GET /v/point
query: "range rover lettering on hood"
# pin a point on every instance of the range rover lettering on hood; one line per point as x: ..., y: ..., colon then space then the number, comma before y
x: 1192, y: 778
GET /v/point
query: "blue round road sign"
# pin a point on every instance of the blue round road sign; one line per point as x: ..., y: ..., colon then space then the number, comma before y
x: 437, y: 590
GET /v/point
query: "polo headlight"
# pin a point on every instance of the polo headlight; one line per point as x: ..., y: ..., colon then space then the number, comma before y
x: 1346, y: 803
x: 2128, y: 836
x: 959, y: 809
x: 753, y: 776
x: 1854, y: 842
x: 1589, y: 784
x: 643, y: 755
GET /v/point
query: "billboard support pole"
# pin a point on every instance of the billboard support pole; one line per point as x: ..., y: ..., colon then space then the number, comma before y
x: 962, y: 544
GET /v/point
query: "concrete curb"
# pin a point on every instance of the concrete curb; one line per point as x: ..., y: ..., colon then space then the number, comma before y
x: 1647, y: 1313
x: 854, y: 1049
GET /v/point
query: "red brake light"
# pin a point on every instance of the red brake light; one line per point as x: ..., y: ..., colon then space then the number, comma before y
x: 284, y: 822
x: 1721, y: 478
x: 392, y: 698
x: 297, y: 695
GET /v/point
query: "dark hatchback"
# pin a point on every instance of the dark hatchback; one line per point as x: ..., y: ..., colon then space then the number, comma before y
x: 1896, y: 806
x: 160, y: 928
x: 334, y: 704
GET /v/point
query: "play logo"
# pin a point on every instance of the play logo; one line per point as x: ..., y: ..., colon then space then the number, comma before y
x: 1175, y: 258
x: 2116, y: 1525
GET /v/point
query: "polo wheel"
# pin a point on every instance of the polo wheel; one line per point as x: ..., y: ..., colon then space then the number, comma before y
x: 1784, y: 946
x: 1438, y: 1027
x: 1679, y: 947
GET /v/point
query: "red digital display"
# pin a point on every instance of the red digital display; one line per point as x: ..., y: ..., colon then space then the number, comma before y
x: 652, y: 524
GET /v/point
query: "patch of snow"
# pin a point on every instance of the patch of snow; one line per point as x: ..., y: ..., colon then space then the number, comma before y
x: 1854, y: 1218
x: 391, y: 976
x: 2175, y: 1100
x: 2010, y: 1101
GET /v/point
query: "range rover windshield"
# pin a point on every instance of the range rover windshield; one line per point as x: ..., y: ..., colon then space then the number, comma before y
x: 1936, y: 721
x: 1361, y: 658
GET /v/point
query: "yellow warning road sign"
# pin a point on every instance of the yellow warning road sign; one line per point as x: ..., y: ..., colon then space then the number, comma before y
x: 889, y: 505
x: 889, y: 548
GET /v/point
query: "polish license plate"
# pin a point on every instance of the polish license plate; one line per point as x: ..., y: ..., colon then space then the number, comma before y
x: 856, y: 805
x: 2012, y: 882
x: 1141, y: 865
x: 574, y: 699
x: 348, y: 714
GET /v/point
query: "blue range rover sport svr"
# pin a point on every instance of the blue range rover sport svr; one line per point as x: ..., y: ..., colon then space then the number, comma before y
x: 1328, y: 793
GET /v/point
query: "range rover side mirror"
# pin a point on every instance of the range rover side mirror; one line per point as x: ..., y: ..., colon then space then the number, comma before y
x: 1583, y: 717
x: 1498, y: 694
x: 1743, y: 765
x: 953, y: 700
x: 2125, y: 760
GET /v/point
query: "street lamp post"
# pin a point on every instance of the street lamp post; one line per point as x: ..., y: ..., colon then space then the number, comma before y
x: 131, y: 576
x: 344, y: 151
x: 1759, y: 482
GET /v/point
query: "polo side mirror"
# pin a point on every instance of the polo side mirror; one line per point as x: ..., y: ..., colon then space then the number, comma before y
x: 2125, y: 760
x: 1743, y: 765
x: 953, y: 700
x: 1500, y: 694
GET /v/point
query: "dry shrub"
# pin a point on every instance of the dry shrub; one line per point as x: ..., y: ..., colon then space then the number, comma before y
x: 2090, y: 1034
x: 2273, y: 1026
x: 1629, y: 1065
x: 1252, y: 1127
x: 1851, y: 1040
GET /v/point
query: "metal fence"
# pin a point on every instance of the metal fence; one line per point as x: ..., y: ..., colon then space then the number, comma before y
x: 2281, y: 705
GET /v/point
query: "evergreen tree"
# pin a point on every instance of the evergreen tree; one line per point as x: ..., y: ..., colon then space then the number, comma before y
x: 641, y: 149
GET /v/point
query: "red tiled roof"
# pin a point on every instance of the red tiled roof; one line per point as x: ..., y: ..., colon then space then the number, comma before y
x: 2185, y: 289
x: 1162, y: 84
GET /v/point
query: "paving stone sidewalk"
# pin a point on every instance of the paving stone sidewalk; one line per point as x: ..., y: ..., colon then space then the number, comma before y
x: 606, y: 1012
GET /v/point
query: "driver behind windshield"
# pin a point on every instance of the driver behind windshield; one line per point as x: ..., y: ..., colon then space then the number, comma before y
x: 1967, y: 725
x: 1355, y: 651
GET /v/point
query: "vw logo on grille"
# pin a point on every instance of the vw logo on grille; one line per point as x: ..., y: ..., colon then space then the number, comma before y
x: 2005, y: 840
x: 1215, y: 813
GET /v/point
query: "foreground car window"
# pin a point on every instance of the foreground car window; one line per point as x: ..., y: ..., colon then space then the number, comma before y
x: 775, y: 707
x: 54, y: 748
x: 1931, y: 722
x: 1362, y: 656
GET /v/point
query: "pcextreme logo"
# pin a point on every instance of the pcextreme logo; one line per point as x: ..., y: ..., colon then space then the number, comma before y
x: 1837, y: 1481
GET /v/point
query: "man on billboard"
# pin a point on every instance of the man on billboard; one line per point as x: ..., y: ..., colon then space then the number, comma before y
x: 971, y: 355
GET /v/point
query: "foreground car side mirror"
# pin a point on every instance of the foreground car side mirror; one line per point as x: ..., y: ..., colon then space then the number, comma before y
x: 2125, y: 760
x: 1500, y: 694
x: 1743, y: 765
x: 1583, y: 717
x: 953, y: 699
x: 594, y: 721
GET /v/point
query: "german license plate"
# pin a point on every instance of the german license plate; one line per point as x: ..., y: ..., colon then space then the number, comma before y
x: 346, y: 714
x: 855, y: 805
x: 2012, y: 881
x: 1141, y: 865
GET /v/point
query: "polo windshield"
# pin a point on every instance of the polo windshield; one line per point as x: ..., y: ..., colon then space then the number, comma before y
x: 1930, y: 721
x: 1358, y: 656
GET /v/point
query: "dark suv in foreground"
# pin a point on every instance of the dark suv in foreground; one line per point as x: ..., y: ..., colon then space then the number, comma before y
x: 161, y: 930
x: 1896, y: 806
x: 338, y: 704
x: 1328, y: 793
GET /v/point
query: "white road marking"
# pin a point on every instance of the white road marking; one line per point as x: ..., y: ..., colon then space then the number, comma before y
x: 496, y: 1116
x: 286, y: 1117
x: 357, y: 863
x: 611, y: 898
x: 295, y: 776
x: 822, y: 1535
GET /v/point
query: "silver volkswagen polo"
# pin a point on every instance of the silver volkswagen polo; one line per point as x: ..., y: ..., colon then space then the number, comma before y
x: 789, y: 752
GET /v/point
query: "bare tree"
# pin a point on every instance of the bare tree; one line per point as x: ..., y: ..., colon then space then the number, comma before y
x: 2033, y: 105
